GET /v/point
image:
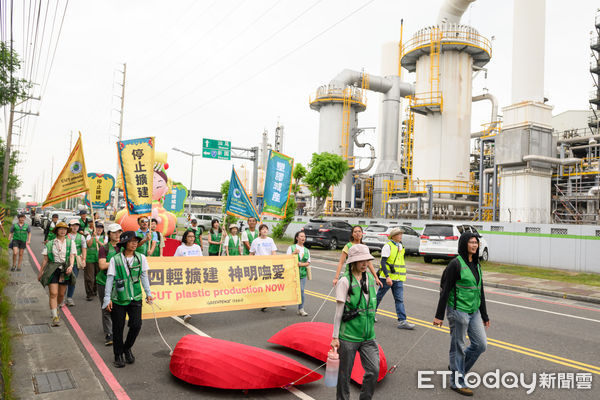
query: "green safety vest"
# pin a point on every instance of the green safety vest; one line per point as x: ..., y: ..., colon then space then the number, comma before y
x: 467, y: 290
x: 51, y: 234
x: 78, y: 241
x: 143, y: 249
x: 303, y: 272
x: 127, y: 288
x: 92, y: 252
x: 50, y: 244
x: 157, y: 247
x: 361, y: 328
x: 396, y: 259
x: 196, y: 235
x: 250, y: 240
x: 110, y: 253
x: 234, y: 249
x: 20, y: 233
x: 347, y: 248
x: 214, y: 248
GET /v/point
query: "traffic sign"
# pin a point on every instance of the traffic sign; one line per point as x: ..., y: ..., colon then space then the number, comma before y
x: 216, y: 149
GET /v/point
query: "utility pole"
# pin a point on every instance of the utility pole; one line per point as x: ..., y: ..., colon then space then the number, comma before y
x: 116, y: 191
x: 7, y: 152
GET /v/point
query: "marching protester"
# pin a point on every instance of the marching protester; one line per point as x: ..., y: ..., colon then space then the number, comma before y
x: 215, y: 238
x: 303, y: 263
x: 49, y: 231
x: 263, y: 246
x: 105, y: 254
x: 83, y: 221
x: 188, y: 248
x: 197, y: 231
x: 232, y: 244
x: 354, y: 323
x: 94, y: 240
x: 160, y: 239
x: 81, y: 247
x: 393, y: 270
x: 18, y: 239
x: 355, y: 238
x: 463, y: 300
x: 128, y: 274
x: 57, y: 268
x: 147, y: 238
x: 249, y: 234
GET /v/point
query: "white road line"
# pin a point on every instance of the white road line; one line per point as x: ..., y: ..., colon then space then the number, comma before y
x: 292, y: 389
x: 495, y: 301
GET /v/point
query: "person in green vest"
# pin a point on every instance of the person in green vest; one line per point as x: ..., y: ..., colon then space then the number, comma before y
x: 249, y: 235
x: 197, y: 231
x: 126, y: 276
x: 232, y: 242
x: 393, y: 271
x: 57, y: 268
x: 160, y: 240
x: 303, y: 263
x: 81, y: 246
x: 148, y: 239
x: 18, y: 239
x: 462, y: 298
x: 355, y: 238
x: 49, y: 231
x: 84, y: 222
x: 94, y: 240
x: 215, y: 238
x: 105, y: 254
x: 354, y: 323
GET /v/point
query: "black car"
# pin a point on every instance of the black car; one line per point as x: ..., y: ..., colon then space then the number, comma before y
x: 330, y: 234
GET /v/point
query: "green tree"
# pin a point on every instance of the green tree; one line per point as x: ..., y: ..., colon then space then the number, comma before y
x: 13, y: 179
x: 299, y: 174
x: 326, y: 170
x: 11, y: 87
x: 282, y: 225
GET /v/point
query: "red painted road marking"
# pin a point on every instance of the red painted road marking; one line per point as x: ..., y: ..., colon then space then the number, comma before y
x: 106, y: 374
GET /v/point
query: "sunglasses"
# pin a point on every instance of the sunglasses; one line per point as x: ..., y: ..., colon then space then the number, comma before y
x: 143, y: 221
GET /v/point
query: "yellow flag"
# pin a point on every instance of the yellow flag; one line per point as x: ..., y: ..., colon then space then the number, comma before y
x: 72, y: 180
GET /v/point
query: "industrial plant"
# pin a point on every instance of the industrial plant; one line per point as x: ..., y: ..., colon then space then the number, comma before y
x: 524, y: 165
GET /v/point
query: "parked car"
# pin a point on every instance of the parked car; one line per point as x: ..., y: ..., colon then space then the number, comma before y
x: 440, y: 241
x: 330, y: 234
x: 37, y: 219
x: 377, y: 235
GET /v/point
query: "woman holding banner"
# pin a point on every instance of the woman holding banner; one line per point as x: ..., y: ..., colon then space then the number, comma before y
x: 188, y: 248
x: 263, y: 246
x: 215, y: 238
x: 232, y: 243
x: 303, y: 264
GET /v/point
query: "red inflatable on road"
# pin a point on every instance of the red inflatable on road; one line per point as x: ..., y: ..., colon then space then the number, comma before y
x: 223, y: 364
x: 314, y: 339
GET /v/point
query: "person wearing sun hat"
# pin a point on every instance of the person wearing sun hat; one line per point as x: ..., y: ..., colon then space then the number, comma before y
x: 105, y: 254
x: 81, y: 246
x: 354, y: 323
x: 232, y: 244
x: 127, y: 274
x: 393, y: 271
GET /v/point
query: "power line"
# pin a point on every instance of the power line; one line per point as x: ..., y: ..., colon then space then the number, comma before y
x: 269, y: 66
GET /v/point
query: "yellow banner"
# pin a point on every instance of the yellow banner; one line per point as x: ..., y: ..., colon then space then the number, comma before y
x: 195, y: 285
x: 136, y: 157
x: 72, y: 180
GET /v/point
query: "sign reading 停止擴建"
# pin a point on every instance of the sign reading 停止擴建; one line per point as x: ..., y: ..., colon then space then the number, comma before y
x: 101, y: 186
x: 217, y: 149
x: 278, y: 183
x: 193, y: 285
x: 136, y: 157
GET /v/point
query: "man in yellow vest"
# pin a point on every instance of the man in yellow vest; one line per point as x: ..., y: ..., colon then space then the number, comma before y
x: 393, y: 270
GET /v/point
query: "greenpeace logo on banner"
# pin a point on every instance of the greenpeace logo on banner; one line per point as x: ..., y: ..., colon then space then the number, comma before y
x: 508, y: 380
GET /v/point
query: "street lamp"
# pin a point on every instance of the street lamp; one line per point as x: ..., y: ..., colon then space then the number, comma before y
x: 191, y: 177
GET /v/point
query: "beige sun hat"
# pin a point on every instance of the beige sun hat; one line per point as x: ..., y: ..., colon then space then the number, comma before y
x: 394, y: 232
x: 233, y: 226
x: 358, y: 252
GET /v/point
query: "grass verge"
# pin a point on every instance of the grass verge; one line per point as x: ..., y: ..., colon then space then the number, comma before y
x: 530, y: 272
x: 5, y: 332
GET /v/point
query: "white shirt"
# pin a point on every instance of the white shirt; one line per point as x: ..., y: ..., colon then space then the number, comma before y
x: 300, y: 252
x: 245, y: 235
x: 127, y: 261
x: 386, y: 251
x: 100, y: 242
x: 263, y: 247
x: 59, y: 250
x: 74, y: 235
x: 188, y: 251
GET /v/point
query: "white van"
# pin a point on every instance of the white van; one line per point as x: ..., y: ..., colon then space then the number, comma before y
x: 440, y: 240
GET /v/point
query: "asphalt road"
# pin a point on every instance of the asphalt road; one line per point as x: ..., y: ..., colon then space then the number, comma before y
x: 528, y: 334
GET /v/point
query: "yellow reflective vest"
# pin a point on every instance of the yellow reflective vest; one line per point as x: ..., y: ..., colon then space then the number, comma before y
x: 396, y: 260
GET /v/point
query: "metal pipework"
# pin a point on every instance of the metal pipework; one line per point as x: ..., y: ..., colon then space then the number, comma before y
x: 494, y: 101
x: 551, y: 160
x: 452, y: 11
x: 578, y: 139
x: 362, y: 145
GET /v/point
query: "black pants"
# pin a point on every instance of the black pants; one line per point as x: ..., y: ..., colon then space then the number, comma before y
x: 134, y: 310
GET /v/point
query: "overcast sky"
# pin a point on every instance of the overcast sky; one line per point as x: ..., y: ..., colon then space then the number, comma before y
x: 227, y: 69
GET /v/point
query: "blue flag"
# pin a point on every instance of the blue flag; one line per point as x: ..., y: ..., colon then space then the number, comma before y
x: 238, y: 201
x: 278, y: 184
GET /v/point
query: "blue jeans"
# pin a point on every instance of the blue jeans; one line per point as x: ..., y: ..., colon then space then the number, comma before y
x: 302, y: 284
x: 398, y: 292
x: 461, y: 359
x: 71, y: 288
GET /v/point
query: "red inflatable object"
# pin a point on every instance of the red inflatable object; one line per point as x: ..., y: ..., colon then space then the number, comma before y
x: 314, y: 339
x: 223, y: 364
x: 171, y: 246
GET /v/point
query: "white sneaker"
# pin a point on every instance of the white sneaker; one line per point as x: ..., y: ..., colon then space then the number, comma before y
x: 406, y: 325
x: 302, y: 313
x: 283, y: 308
x: 187, y: 318
x: 70, y: 302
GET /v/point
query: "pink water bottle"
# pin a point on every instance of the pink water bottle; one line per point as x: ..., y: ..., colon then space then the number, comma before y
x: 331, y: 370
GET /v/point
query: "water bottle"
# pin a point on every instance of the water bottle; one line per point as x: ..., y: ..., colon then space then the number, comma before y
x: 331, y: 370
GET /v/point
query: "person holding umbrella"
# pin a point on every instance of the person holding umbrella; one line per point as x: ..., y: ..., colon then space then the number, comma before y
x: 127, y: 274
